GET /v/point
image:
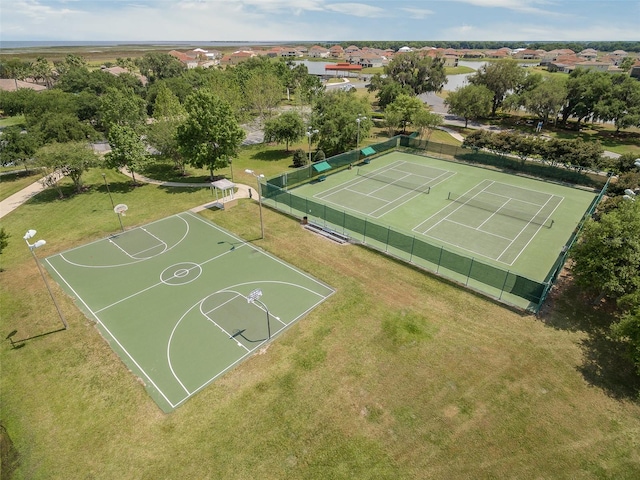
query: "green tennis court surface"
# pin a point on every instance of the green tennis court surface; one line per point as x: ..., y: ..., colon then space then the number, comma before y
x: 516, y: 223
x: 173, y: 300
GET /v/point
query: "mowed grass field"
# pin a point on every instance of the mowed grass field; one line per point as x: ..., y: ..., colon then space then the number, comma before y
x: 398, y: 375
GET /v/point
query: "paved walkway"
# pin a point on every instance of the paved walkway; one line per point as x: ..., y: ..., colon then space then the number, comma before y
x: 9, y: 204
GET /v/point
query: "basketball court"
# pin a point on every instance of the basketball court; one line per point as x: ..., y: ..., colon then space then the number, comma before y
x: 182, y: 301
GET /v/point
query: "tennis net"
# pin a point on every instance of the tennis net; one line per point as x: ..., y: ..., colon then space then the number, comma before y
x: 404, y: 183
x: 542, y: 220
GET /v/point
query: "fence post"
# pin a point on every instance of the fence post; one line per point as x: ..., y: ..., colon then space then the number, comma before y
x: 439, y: 260
x: 504, y: 284
x: 413, y: 242
x: 469, y: 272
x: 387, y: 241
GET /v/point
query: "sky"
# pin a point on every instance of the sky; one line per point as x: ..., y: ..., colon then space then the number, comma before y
x: 318, y: 20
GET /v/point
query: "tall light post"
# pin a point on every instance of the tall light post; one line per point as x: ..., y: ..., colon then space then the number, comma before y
x: 358, y: 120
x: 258, y: 177
x: 32, y: 247
x: 310, y: 133
x: 104, y: 177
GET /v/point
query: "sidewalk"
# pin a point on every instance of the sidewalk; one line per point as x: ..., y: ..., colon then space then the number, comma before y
x: 9, y: 204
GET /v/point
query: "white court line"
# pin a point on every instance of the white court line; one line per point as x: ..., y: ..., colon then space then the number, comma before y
x: 129, y: 263
x: 418, y: 193
x: 206, y: 315
x: 539, y: 228
x: 159, y: 283
x: 454, y: 211
x: 476, y: 229
x: 112, y: 336
x: 492, y: 215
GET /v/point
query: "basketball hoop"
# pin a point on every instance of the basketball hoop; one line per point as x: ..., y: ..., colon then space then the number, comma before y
x: 120, y: 209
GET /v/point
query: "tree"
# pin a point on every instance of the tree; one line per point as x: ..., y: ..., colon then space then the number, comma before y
x: 627, y: 63
x: 162, y: 134
x: 387, y: 90
x: 420, y: 73
x: 299, y: 158
x: 607, y: 256
x: 546, y: 99
x: 127, y: 149
x: 499, y: 77
x: 426, y: 122
x: 334, y: 116
x: 406, y: 107
x: 43, y: 71
x: 17, y: 146
x: 61, y: 127
x: 167, y: 104
x: 584, y: 89
x: 288, y: 127
x: 263, y: 92
x: 621, y: 104
x: 470, y: 102
x: 627, y: 329
x: 122, y: 107
x: 210, y: 135
x: 392, y: 121
x: 70, y: 159
x: 157, y: 66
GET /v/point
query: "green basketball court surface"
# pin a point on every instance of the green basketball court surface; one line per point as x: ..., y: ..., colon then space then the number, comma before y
x: 173, y: 299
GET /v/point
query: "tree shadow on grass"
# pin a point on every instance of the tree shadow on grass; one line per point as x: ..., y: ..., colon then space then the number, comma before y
x: 272, y: 155
x: 51, y: 194
x: 605, y: 364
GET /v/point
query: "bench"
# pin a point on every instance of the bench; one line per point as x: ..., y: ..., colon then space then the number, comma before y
x: 327, y: 233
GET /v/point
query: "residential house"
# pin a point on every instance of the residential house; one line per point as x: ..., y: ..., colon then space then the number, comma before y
x: 318, y: 52
x: 588, y: 54
x: 336, y: 51
x: 237, y: 57
x: 190, y: 62
x: 351, y: 49
x: 405, y: 49
x: 554, y: 55
x: 11, y: 85
x: 289, y: 52
x: 597, y: 66
x: 370, y: 60
x: 527, y: 54
x: 117, y: 71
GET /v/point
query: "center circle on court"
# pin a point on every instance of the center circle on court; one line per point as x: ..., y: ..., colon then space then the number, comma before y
x: 180, y: 273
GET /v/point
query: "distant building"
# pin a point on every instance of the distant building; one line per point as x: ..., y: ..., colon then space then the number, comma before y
x: 11, y: 85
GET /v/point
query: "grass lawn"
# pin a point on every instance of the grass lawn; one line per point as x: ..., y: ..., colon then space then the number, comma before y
x: 398, y: 375
x: 11, y: 183
x: 10, y: 121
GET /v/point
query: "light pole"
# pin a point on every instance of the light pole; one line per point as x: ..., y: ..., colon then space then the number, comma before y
x: 258, y: 177
x: 310, y: 133
x: 104, y: 177
x: 32, y: 247
x: 358, y: 120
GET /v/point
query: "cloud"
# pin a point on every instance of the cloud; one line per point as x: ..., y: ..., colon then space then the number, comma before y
x: 418, y: 13
x: 522, y: 6
x: 38, y: 11
x: 357, y: 9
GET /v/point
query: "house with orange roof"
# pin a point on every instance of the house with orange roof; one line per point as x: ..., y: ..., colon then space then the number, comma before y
x: 190, y: 62
x: 237, y: 57
x: 336, y: 51
x: 117, y: 71
x: 318, y: 52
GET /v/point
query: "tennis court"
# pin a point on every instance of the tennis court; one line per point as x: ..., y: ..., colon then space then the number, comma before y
x: 513, y: 222
x: 380, y: 191
x: 182, y: 301
x: 492, y: 219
